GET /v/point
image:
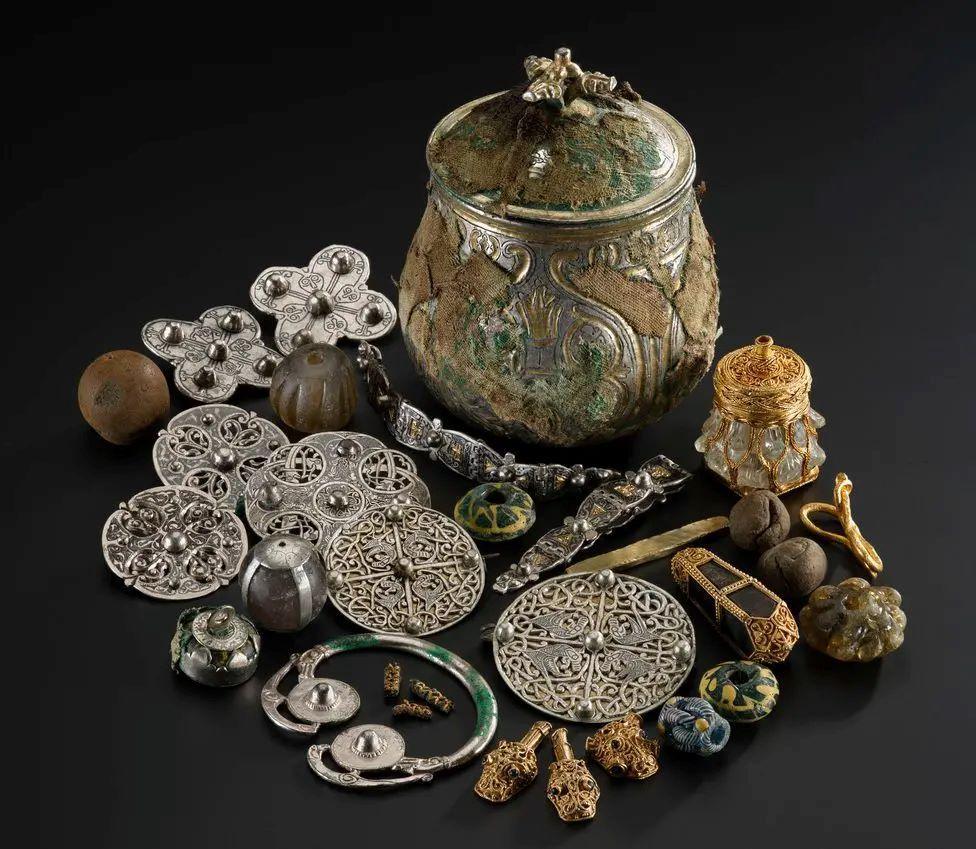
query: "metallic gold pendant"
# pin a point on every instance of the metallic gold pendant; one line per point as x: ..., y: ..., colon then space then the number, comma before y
x: 572, y: 790
x: 512, y: 765
x: 623, y: 750
x: 754, y: 620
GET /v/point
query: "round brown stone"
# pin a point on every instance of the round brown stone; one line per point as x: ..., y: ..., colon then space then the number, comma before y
x: 759, y: 521
x: 123, y: 395
x: 793, y: 568
x: 314, y: 389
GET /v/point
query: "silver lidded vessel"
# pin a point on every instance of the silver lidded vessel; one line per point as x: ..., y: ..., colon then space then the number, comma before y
x: 215, y: 646
x: 561, y: 287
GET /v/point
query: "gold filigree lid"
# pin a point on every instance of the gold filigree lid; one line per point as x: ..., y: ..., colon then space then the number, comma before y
x: 567, y: 146
x: 763, y: 383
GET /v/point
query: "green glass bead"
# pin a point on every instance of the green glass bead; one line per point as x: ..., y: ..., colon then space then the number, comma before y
x: 495, y: 512
x: 740, y: 690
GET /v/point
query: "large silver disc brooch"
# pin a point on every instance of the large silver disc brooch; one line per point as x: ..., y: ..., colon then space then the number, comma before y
x: 174, y: 543
x: 325, y: 481
x: 404, y: 569
x: 324, y: 301
x: 215, y: 448
x: 592, y: 648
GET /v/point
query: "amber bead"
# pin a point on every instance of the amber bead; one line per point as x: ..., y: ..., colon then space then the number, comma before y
x: 314, y: 389
x: 123, y: 395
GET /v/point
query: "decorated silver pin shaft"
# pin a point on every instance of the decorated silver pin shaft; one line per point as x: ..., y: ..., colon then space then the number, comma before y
x: 324, y: 301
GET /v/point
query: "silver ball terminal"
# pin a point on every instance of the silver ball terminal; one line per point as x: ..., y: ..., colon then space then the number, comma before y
x: 505, y: 632
x: 232, y: 322
x: 340, y: 262
x: 594, y: 641
x: 172, y: 333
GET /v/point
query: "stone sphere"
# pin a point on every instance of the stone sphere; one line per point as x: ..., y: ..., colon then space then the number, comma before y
x: 314, y: 389
x: 758, y: 521
x: 794, y: 568
x: 123, y: 395
x: 283, y: 583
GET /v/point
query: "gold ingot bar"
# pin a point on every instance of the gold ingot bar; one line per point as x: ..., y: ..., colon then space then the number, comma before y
x: 652, y: 548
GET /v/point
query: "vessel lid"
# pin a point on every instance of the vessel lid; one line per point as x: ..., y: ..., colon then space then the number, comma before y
x: 569, y: 145
x: 763, y: 383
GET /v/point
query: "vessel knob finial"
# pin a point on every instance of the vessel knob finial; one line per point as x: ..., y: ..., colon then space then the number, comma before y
x: 551, y: 80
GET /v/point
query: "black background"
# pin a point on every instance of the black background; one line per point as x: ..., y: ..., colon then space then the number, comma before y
x: 155, y: 162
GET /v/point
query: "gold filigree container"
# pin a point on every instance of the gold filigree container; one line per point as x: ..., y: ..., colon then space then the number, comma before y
x: 762, y: 431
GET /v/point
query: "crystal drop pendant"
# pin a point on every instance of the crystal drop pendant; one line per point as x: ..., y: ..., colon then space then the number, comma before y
x: 752, y: 474
x: 789, y: 469
x: 740, y: 435
x: 773, y: 443
x: 799, y: 434
x: 715, y: 459
x: 816, y: 419
x: 817, y: 455
x: 708, y: 431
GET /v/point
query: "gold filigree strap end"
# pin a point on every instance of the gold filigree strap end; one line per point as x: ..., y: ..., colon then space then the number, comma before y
x: 852, y: 538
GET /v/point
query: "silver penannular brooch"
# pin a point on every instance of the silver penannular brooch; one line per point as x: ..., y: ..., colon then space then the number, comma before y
x: 361, y: 750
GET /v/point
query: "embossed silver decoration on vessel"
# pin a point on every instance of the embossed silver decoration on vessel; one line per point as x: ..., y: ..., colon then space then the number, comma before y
x: 561, y: 287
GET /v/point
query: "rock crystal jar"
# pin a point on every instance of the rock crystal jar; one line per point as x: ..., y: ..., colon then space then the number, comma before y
x: 561, y: 287
x: 762, y: 431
